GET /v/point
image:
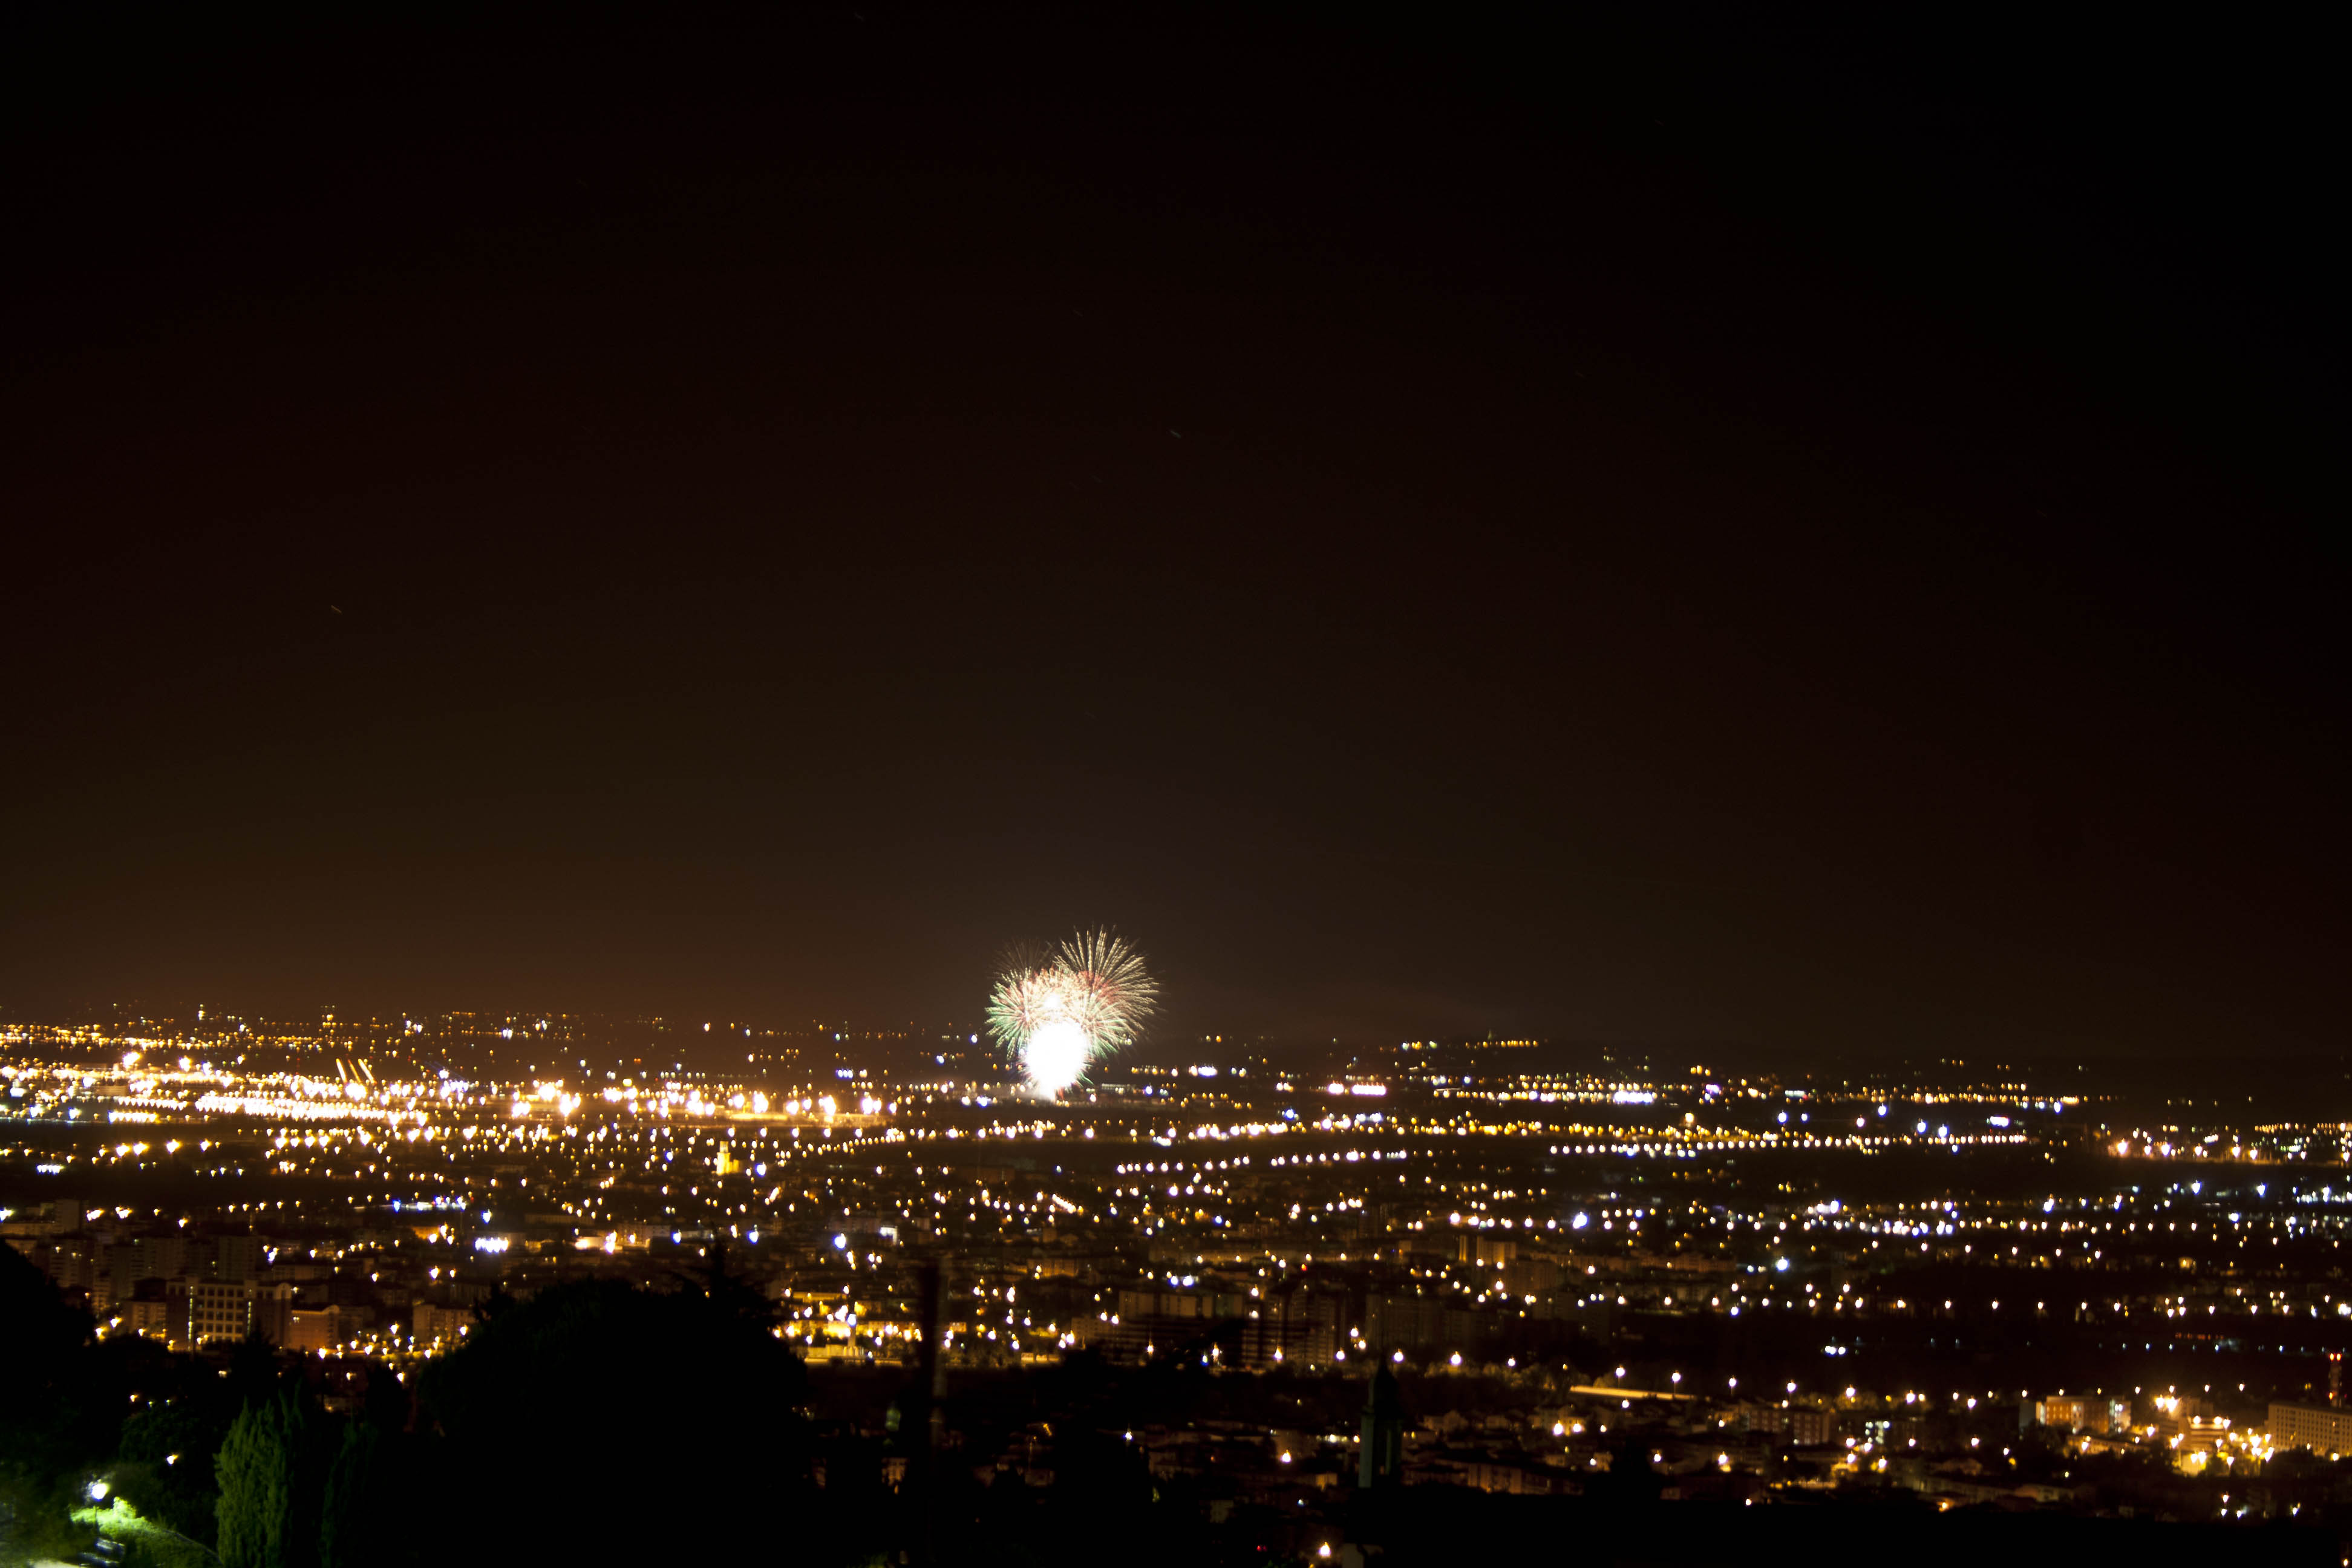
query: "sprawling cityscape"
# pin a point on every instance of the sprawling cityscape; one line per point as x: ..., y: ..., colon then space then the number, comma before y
x: 894, y: 786
x: 1291, y: 1284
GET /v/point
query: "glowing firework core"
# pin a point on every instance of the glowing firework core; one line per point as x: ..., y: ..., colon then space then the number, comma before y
x: 1056, y: 1054
x: 1059, y: 1017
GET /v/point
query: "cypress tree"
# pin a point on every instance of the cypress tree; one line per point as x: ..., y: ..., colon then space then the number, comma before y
x: 270, y: 1478
x: 251, y: 1471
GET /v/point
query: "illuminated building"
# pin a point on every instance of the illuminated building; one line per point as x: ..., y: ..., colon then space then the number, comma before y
x: 2321, y: 1428
x: 230, y: 1310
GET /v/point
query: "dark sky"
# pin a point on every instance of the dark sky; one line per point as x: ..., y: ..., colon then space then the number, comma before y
x: 1693, y: 530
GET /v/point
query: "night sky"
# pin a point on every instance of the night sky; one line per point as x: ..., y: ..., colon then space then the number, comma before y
x: 1679, y: 532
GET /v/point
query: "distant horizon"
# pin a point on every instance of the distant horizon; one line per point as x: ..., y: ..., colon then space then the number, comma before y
x: 2307, y: 1080
x: 692, y: 1020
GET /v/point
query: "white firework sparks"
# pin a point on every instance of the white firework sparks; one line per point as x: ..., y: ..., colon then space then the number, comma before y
x: 1060, y: 1015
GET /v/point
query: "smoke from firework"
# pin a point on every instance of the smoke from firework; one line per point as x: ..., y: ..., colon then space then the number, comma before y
x: 1059, y: 1013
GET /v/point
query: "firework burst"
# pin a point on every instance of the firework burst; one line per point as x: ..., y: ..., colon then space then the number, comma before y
x: 1058, y: 1013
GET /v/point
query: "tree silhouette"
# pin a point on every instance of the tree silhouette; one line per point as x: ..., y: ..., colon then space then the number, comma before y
x: 60, y: 1406
x: 604, y: 1421
x: 361, y: 1517
x: 271, y: 1470
x: 727, y: 1294
x: 252, y: 1370
x: 1631, y: 1482
x: 164, y: 1467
